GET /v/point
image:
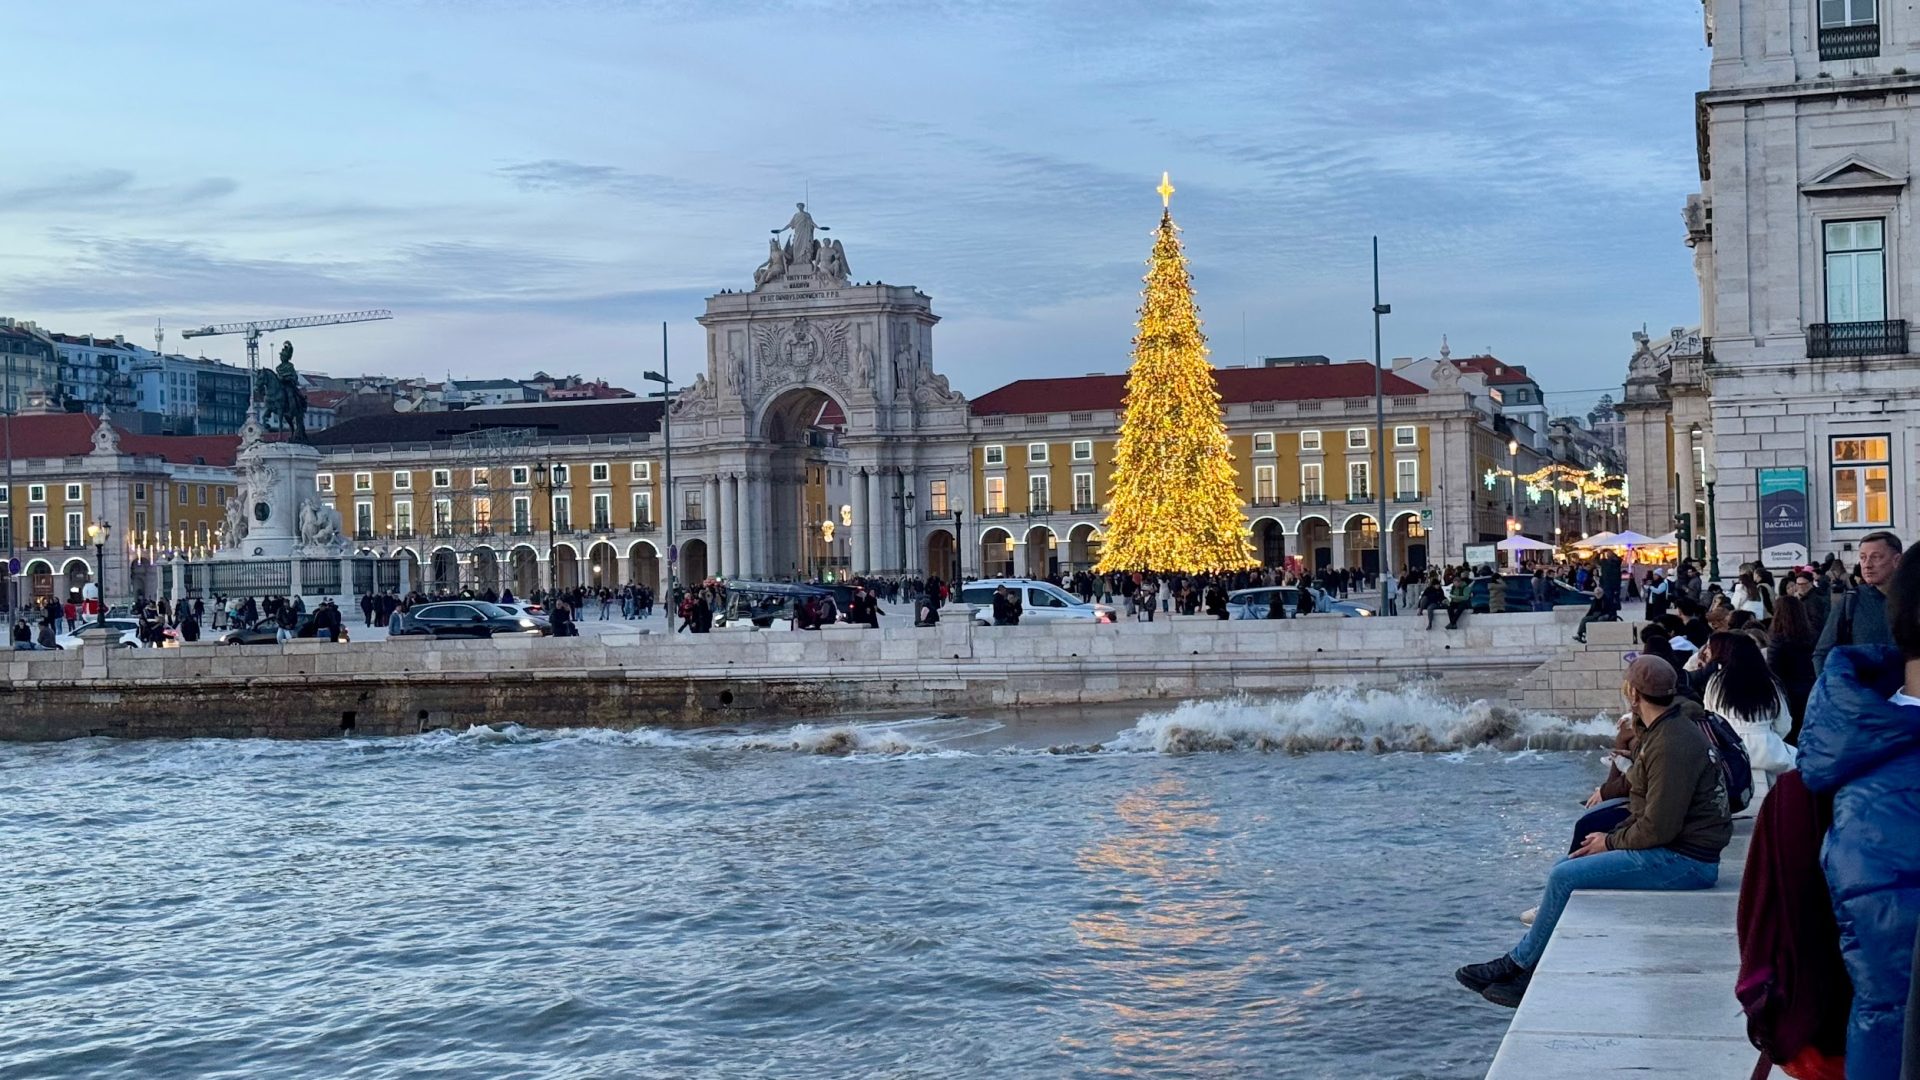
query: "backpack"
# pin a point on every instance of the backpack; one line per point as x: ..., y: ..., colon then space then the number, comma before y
x: 1735, y: 767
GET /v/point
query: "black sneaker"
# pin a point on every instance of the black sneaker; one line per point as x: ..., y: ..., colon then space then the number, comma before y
x: 1510, y: 992
x: 1477, y: 977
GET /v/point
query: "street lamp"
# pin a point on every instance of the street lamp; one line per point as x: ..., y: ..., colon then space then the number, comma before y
x: 663, y: 377
x: 959, y: 553
x: 1713, y: 532
x: 97, y: 532
x: 1382, y: 546
x: 1513, y: 480
x: 905, y: 499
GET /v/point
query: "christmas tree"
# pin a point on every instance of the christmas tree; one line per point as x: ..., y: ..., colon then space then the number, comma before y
x: 1175, y: 502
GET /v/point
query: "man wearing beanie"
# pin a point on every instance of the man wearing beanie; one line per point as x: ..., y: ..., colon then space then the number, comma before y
x: 1678, y: 823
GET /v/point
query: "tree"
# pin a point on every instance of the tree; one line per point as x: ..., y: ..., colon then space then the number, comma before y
x: 1175, y: 499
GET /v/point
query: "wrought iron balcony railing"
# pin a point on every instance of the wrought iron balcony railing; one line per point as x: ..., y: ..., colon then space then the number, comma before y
x: 693, y: 523
x: 1850, y: 42
x: 1887, y: 337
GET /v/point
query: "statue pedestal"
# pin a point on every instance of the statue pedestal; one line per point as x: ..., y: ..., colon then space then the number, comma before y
x: 279, y: 478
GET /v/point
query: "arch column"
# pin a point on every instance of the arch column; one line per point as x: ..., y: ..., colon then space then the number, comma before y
x: 749, y: 561
x: 1339, y: 537
x: 859, y: 528
x: 720, y: 526
x: 878, y: 514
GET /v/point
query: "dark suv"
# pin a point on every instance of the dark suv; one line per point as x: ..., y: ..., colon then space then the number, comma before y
x: 1520, y: 593
x: 459, y: 618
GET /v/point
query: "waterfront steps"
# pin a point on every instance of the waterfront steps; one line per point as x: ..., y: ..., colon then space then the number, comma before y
x: 1637, y: 984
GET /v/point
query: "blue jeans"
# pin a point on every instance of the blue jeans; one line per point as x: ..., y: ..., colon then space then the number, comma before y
x: 1655, y: 869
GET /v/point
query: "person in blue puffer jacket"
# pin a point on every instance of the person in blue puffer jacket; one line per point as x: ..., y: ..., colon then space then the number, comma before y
x: 1861, y: 744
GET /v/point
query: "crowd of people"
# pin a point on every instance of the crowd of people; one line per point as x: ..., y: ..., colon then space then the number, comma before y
x: 1795, y: 701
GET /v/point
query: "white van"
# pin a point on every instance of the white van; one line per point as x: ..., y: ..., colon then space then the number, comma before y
x: 1040, y: 601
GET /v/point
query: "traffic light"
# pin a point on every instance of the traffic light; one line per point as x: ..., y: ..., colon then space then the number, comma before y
x: 1683, y: 529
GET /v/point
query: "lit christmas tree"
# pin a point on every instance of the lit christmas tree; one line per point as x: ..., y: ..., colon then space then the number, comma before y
x: 1175, y: 500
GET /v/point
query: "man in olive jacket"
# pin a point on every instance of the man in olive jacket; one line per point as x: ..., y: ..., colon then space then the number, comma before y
x: 1678, y: 823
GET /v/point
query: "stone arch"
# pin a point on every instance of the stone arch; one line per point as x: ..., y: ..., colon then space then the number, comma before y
x: 603, y: 566
x: 643, y: 564
x: 1362, y: 542
x: 1409, y: 544
x: 1269, y: 536
x: 693, y: 562
x: 75, y: 575
x: 943, y: 555
x: 484, y: 566
x: 1313, y: 543
x: 523, y: 570
x: 445, y: 571
x: 1084, y: 541
x: 1042, y: 551
x: 794, y: 411
x: 996, y: 552
x: 565, y: 568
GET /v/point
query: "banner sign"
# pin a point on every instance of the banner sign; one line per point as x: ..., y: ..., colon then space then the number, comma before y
x: 1784, y: 539
x: 1479, y: 555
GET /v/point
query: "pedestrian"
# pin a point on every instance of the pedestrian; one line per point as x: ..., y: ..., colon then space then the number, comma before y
x: 1790, y: 641
x: 1459, y: 600
x: 366, y: 607
x: 1860, y: 616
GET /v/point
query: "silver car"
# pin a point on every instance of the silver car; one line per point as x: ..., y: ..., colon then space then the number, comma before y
x: 1040, y: 601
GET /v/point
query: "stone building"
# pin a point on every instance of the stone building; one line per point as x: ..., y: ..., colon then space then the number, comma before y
x: 160, y: 498
x: 1804, y: 247
x: 1669, y: 435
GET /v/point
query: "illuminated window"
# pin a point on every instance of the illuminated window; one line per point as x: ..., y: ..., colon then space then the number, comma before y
x: 1263, y: 442
x: 1309, y: 440
x: 1862, y: 476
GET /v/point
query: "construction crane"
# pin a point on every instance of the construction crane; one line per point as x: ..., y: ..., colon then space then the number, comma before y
x: 253, y: 330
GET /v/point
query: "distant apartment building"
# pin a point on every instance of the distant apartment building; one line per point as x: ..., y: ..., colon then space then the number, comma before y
x: 466, y: 393
x: 96, y: 374
x: 187, y: 395
x: 29, y: 363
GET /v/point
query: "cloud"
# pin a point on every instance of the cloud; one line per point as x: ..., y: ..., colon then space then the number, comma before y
x: 110, y: 190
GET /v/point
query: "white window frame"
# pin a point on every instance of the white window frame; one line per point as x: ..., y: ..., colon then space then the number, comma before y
x: 1036, y: 453
x: 37, y: 530
x: 994, y: 454
x: 641, y: 471
x: 442, y: 479
x: 522, y: 514
x: 1357, y: 438
x: 362, y: 513
x: 1310, y: 442
x: 1313, y: 480
x: 1862, y: 469
x: 1092, y: 501
x: 1083, y: 449
x: 602, y: 511
x: 362, y: 481
x: 1849, y: 13
x: 996, y: 495
x: 1363, y: 469
x: 1406, y: 435
x: 403, y: 517
x: 937, y: 497
x: 1849, y: 261
x: 1263, y: 442
x: 323, y: 483
x: 600, y: 473
x: 403, y: 479
x: 480, y: 478
x: 561, y: 511
x: 642, y: 508
x: 1400, y: 486
x: 1039, y: 493
x: 74, y: 494
x: 482, y: 506
x: 1265, y: 489
x: 36, y: 493
x: 442, y: 516
x: 521, y: 475
x: 76, y: 528
x: 560, y: 476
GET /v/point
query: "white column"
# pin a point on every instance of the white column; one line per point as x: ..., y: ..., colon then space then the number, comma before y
x: 1339, y: 548
x: 715, y: 558
x: 879, y: 515
x: 859, y: 527
x: 749, y: 533
x: 730, y: 523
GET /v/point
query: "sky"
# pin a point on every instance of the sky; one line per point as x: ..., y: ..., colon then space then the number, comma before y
x: 538, y: 184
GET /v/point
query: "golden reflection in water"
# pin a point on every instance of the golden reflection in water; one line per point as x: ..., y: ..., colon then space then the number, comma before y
x: 1170, y: 962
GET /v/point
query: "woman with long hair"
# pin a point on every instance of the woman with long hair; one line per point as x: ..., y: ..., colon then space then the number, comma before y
x: 1744, y: 692
x: 1790, y: 644
x: 1750, y: 595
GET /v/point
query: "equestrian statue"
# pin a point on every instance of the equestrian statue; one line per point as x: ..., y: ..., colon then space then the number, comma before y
x: 282, y: 404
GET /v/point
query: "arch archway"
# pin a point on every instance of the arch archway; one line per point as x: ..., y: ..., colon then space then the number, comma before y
x: 566, y: 566
x: 1409, y: 543
x: 1269, y: 542
x: 1084, y: 542
x: 410, y: 579
x: 996, y: 553
x: 693, y: 562
x: 643, y: 564
x: 523, y: 570
x: 943, y: 555
x: 603, y: 566
x: 485, y: 564
x: 1314, y: 543
x: 800, y: 426
x: 1363, y: 543
x: 76, y: 574
x: 446, y: 571
x: 39, y: 575
x: 1042, y: 552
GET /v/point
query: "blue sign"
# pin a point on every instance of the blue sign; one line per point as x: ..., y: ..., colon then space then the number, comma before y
x: 673, y: 554
x: 13, y: 566
x: 1784, y: 536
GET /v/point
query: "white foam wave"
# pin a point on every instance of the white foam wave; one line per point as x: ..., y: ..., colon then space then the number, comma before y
x: 834, y: 740
x: 1377, y: 721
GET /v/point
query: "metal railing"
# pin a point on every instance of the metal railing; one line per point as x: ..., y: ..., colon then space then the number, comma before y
x: 1408, y: 496
x: 643, y: 527
x: 1850, y: 42
x: 1086, y: 508
x: 1887, y: 337
x: 693, y: 523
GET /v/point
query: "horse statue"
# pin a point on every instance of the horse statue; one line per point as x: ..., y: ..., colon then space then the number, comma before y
x: 282, y: 404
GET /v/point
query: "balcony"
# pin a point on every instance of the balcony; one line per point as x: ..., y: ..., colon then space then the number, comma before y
x: 1265, y: 500
x: 1037, y: 507
x: 602, y: 525
x: 36, y: 545
x: 1408, y: 497
x: 1313, y: 500
x: 443, y: 532
x: 522, y: 529
x: 1360, y: 498
x: 1849, y: 42
x: 1884, y: 338
x: 939, y: 515
x: 646, y: 526
x: 363, y: 534
x: 993, y: 512
x: 403, y: 534
x: 693, y: 524
x: 1086, y: 508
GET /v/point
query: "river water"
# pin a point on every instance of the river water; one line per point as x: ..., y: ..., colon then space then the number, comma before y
x: 1151, y: 894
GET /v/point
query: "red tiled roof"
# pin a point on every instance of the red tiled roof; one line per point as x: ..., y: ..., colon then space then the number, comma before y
x: 326, y: 399
x: 1497, y: 371
x: 54, y: 435
x: 1087, y: 393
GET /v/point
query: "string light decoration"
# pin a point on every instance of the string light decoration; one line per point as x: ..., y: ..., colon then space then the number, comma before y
x: 1174, y: 503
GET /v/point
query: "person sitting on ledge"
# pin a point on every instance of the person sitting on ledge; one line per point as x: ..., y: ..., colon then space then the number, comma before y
x: 1677, y: 824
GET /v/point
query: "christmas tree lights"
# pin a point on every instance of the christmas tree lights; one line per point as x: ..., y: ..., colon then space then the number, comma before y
x: 1174, y: 504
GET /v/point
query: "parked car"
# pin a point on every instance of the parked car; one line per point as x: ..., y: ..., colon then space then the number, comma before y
x: 459, y: 618
x: 1040, y: 601
x: 1253, y: 603
x: 267, y: 631
x: 129, y: 630
x: 1520, y: 593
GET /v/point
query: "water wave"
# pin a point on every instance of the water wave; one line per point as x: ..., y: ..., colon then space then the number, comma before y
x: 1344, y: 719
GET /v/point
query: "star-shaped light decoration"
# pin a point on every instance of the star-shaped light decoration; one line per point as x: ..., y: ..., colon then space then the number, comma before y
x: 1492, y: 478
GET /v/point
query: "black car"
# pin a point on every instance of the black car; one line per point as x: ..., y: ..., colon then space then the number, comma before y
x: 266, y: 632
x: 1520, y: 593
x: 459, y: 618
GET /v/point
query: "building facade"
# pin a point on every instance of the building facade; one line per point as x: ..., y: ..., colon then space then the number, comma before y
x: 1804, y: 245
x: 96, y: 374
x: 29, y: 364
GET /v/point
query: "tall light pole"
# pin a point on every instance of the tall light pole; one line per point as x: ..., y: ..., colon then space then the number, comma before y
x: 1513, y: 485
x: 6, y: 421
x: 665, y: 379
x: 1380, y: 428
x: 97, y: 532
x: 959, y: 552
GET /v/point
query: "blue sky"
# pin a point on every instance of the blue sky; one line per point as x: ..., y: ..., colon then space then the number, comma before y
x: 539, y: 184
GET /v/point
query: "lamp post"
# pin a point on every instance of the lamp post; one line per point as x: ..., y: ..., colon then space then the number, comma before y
x: 1382, y: 544
x: 959, y: 552
x: 664, y: 378
x: 1713, y: 532
x: 97, y: 532
x: 905, y: 499
x: 1513, y: 481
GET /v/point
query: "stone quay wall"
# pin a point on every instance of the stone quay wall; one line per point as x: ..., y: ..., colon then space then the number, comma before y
x: 626, y: 679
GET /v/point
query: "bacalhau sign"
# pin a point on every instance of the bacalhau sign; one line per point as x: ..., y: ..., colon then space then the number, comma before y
x: 1784, y: 540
